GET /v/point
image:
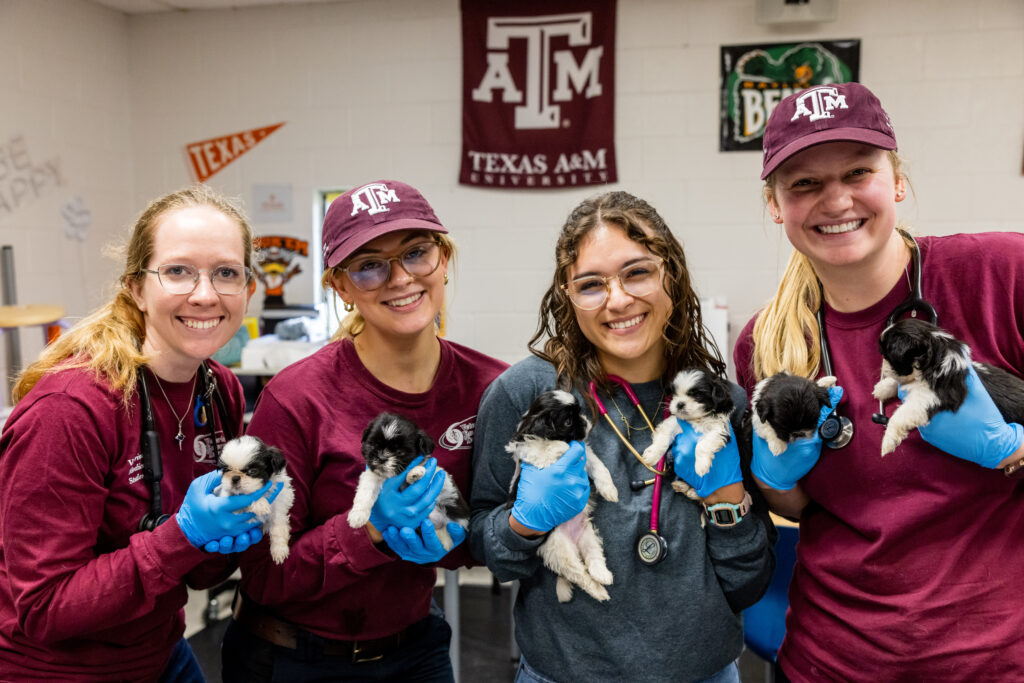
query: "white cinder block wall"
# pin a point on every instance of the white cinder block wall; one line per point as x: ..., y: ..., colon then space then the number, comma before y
x: 371, y: 89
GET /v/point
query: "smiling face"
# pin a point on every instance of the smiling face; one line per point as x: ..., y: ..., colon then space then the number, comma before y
x: 405, y: 305
x: 182, y: 330
x: 626, y: 330
x: 837, y: 202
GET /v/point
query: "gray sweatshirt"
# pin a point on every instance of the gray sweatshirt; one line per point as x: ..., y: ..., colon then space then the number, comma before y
x: 677, y: 620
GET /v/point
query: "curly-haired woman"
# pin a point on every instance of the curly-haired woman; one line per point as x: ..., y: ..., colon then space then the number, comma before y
x: 620, y: 307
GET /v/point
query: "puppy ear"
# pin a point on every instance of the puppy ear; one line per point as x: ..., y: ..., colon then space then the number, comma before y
x: 424, y: 443
x: 276, y: 457
x: 721, y: 399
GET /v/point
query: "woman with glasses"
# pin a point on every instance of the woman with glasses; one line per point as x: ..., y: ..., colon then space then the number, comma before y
x: 93, y: 569
x: 355, y: 603
x: 621, y: 319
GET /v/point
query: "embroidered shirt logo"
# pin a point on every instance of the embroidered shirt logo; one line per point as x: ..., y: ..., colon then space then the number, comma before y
x: 543, y: 65
x: 459, y: 436
x: 373, y: 198
x: 819, y: 103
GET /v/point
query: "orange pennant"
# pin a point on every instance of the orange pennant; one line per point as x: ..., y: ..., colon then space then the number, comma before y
x: 207, y: 157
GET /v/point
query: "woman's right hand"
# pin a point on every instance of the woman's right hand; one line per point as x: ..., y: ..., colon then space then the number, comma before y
x: 783, y: 471
x: 547, y: 497
x: 205, y: 517
x: 407, y: 507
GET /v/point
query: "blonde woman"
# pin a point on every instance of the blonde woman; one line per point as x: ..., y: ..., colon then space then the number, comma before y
x: 902, y: 570
x: 94, y: 560
x: 355, y: 603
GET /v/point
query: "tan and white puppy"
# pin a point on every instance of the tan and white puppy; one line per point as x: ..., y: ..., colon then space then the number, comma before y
x: 246, y: 465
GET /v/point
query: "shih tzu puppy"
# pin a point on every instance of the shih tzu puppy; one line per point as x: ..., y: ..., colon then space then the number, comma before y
x: 390, y: 443
x: 703, y: 400
x: 573, y: 549
x: 931, y: 365
x: 246, y: 465
x: 786, y: 407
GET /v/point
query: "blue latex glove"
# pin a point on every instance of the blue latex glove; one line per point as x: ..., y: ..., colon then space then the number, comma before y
x: 548, y: 496
x: 977, y: 431
x: 725, y: 468
x: 240, y: 543
x: 407, y: 507
x: 204, y: 517
x: 783, y: 471
x: 424, y: 547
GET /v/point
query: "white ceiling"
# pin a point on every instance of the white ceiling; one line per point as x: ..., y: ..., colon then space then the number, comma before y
x: 143, y: 6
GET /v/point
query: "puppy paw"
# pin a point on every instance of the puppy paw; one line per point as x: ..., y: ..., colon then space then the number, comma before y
x: 702, y: 462
x: 680, y: 486
x: 889, y: 444
x: 607, y: 490
x: 415, y: 474
x: 826, y: 381
x: 563, y: 589
x: 601, y: 574
x: 444, y: 537
x: 777, y: 446
x: 885, y: 388
x: 260, y: 507
x: 279, y: 550
x: 597, y: 591
x: 358, y: 518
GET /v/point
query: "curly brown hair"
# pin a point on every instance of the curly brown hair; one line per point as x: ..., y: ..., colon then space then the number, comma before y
x: 688, y: 344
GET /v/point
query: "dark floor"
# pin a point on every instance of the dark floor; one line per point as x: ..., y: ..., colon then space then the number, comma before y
x: 485, y: 640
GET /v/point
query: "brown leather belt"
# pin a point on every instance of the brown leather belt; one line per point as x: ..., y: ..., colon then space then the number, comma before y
x: 285, y: 634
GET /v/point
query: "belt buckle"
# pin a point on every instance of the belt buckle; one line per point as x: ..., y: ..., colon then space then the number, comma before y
x: 357, y: 659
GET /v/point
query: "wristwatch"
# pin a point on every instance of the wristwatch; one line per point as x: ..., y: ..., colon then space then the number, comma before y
x: 728, y: 514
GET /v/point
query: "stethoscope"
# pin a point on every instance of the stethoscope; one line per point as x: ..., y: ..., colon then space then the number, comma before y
x: 152, y: 463
x: 651, y: 546
x: 837, y: 430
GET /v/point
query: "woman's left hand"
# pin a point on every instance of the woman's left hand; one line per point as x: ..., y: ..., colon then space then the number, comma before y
x: 725, y: 468
x: 424, y: 547
x: 976, y: 431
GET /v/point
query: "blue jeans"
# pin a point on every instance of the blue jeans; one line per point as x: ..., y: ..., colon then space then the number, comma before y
x: 183, y: 666
x: 730, y: 674
x: 246, y: 658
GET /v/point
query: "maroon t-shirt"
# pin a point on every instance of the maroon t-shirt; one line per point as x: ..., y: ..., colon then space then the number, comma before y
x: 908, y: 566
x: 336, y: 582
x: 83, y: 595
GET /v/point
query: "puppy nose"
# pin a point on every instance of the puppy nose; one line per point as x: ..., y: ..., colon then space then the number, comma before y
x: 236, y: 478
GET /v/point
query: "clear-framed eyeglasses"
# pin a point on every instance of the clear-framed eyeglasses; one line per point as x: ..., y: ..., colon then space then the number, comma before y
x: 176, y: 278
x: 371, y: 272
x: 639, y: 278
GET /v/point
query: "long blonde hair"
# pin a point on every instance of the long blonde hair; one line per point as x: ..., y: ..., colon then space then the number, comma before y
x: 354, y: 323
x: 786, y: 334
x: 687, y: 341
x: 109, y: 340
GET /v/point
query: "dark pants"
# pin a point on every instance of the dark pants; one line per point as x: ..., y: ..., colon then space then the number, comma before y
x: 183, y: 666
x: 245, y: 658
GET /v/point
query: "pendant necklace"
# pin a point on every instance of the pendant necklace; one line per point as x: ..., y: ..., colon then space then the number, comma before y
x: 180, y: 436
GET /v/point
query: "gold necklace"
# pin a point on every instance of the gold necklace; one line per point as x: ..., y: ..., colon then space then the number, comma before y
x: 630, y: 428
x: 180, y: 436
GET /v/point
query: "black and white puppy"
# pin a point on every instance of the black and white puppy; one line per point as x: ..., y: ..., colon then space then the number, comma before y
x: 931, y: 365
x: 786, y: 407
x: 573, y: 549
x: 390, y: 443
x: 703, y: 400
x: 246, y: 465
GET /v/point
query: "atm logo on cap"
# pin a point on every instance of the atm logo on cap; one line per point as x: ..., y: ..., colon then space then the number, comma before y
x: 373, y: 198
x: 819, y: 103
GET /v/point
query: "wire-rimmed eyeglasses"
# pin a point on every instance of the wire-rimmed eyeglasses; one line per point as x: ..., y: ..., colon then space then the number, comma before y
x: 176, y: 278
x: 371, y: 272
x: 639, y: 278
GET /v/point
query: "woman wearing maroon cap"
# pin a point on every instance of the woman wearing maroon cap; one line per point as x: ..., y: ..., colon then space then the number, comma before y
x: 355, y: 603
x: 93, y: 571
x: 905, y: 568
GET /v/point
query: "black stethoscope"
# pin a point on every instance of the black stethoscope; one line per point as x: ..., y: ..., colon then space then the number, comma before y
x: 837, y: 430
x: 152, y: 464
x: 651, y: 546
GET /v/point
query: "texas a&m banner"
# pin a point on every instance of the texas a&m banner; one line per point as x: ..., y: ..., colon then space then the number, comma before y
x: 538, y: 93
x: 755, y: 78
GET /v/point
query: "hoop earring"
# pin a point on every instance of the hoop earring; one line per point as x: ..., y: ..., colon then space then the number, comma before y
x: 348, y: 306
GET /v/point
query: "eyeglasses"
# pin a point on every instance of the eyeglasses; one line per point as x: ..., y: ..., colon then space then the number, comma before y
x: 637, y: 279
x: 372, y: 272
x: 175, y: 278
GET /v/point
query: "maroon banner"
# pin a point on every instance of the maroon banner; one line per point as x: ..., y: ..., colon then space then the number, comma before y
x: 538, y: 93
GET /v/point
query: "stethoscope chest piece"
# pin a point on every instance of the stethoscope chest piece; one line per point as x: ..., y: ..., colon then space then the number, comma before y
x: 651, y: 548
x: 836, y: 431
